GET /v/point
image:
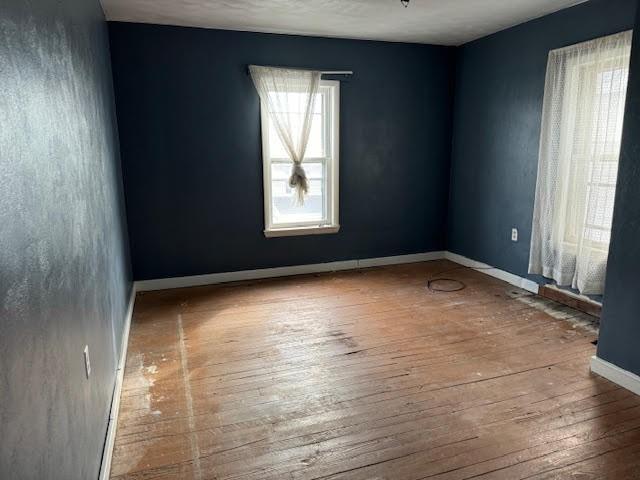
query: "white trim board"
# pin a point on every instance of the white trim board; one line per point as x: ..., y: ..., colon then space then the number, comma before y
x: 224, y: 277
x: 213, y: 278
x: 107, y: 453
x: 615, y: 374
x: 515, y: 280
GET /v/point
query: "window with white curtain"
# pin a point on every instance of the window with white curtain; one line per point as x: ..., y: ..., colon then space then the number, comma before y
x: 583, y: 113
x: 318, y: 213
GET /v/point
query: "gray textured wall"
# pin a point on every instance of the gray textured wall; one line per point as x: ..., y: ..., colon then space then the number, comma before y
x: 620, y: 332
x: 64, y: 267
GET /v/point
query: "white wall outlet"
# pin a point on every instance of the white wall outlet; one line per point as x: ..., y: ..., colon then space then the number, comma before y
x: 87, y: 361
x: 514, y: 234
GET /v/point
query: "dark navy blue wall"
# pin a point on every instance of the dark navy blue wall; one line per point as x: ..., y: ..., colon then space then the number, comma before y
x: 620, y: 328
x: 190, y: 136
x: 64, y: 270
x: 497, y: 115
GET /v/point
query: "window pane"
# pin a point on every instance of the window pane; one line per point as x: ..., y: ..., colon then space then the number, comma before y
x: 594, y: 168
x: 608, y: 111
x: 292, y: 105
x: 607, y: 121
x: 284, y: 209
x: 294, y: 102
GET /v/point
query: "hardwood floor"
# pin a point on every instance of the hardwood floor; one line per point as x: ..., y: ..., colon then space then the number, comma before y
x: 368, y: 375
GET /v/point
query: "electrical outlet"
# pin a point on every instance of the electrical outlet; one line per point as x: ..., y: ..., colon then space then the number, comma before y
x: 87, y: 361
x: 514, y: 234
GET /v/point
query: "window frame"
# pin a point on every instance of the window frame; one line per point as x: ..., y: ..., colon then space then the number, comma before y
x: 330, y: 90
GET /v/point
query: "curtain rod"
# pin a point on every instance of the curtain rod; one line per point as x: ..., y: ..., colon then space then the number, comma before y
x: 336, y: 72
x: 323, y: 72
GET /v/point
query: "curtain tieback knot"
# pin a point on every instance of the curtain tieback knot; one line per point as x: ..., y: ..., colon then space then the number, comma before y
x: 298, y: 180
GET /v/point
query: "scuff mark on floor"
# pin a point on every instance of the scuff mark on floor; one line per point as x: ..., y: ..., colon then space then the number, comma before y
x: 561, y: 312
x: 193, y: 440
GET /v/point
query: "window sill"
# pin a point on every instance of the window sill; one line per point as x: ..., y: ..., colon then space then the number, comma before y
x: 296, y: 231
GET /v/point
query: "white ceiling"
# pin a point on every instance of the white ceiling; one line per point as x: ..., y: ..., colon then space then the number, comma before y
x: 442, y: 22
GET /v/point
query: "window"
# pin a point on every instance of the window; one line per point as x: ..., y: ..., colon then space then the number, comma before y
x: 583, y: 114
x: 596, y: 149
x: 319, y: 213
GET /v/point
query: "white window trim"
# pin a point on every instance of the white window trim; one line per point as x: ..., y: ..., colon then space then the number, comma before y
x: 332, y: 175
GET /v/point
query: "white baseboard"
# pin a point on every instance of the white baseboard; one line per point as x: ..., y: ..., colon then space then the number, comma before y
x: 211, y: 279
x: 224, y: 277
x: 107, y: 454
x: 615, y: 374
x: 515, y: 280
x: 400, y: 259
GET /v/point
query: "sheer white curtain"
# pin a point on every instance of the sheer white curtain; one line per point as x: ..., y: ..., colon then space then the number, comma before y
x: 289, y: 95
x: 582, y: 118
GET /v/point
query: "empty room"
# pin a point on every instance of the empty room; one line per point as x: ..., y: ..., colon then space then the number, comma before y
x: 319, y: 239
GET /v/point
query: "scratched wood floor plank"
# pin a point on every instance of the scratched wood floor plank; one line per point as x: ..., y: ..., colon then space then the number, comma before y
x: 368, y: 375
